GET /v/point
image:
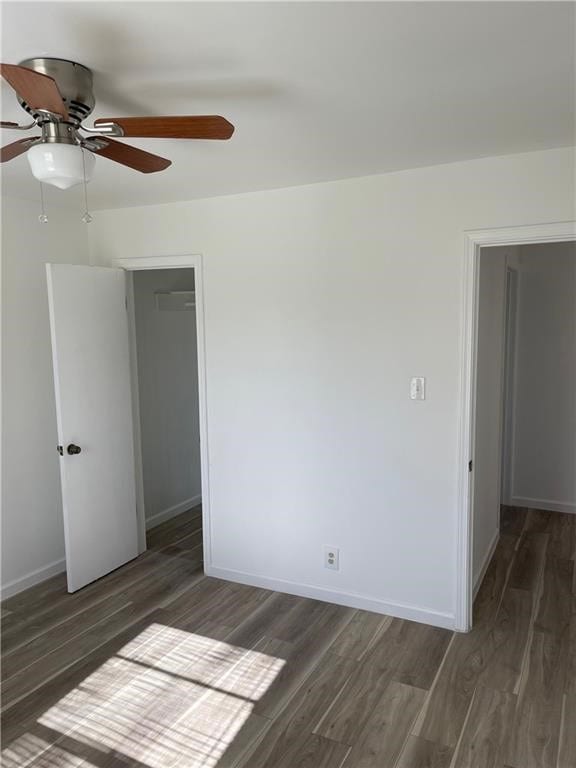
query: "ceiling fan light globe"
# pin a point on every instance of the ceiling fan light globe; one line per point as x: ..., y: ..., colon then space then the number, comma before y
x: 61, y: 165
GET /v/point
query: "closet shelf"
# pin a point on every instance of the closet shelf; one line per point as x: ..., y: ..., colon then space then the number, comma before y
x: 175, y: 301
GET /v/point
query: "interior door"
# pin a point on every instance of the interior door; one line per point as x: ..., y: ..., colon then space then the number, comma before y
x: 91, y: 356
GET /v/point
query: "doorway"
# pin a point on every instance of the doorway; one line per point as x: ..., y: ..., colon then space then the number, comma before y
x: 166, y: 391
x: 484, y: 414
x: 190, y: 268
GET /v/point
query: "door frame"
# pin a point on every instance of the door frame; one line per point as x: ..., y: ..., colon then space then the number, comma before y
x: 474, y: 240
x: 190, y: 261
x: 507, y: 442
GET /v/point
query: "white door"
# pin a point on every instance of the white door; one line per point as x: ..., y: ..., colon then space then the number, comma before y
x: 90, y: 350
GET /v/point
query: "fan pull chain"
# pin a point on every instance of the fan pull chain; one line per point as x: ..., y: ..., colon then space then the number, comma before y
x: 87, y: 218
x: 43, y: 218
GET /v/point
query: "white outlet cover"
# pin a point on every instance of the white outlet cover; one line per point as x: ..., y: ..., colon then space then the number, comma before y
x: 332, y: 558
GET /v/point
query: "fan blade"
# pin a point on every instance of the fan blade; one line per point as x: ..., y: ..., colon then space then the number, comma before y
x: 38, y: 91
x: 11, y: 151
x: 17, y: 126
x: 199, y: 127
x: 145, y: 162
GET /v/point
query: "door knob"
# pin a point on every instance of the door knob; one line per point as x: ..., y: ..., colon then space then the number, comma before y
x: 72, y: 449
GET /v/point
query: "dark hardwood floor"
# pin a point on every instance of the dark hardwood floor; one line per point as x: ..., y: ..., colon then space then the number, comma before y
x: 157, y: 666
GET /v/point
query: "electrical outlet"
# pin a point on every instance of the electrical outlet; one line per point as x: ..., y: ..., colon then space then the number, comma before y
x: 332, y: 558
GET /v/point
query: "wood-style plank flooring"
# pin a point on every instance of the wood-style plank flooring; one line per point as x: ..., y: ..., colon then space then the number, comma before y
x: 157, y: 666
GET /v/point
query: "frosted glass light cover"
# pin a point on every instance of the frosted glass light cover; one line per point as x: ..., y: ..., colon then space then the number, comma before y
x: 60, y: 164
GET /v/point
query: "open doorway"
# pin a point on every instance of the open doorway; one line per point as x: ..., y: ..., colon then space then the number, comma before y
x: 187, y: 273
x: 166, y: 392
x: 471, y: 566
x: 524, y: 444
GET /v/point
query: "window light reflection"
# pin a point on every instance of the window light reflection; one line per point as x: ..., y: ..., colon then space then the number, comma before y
x: 169, y: 698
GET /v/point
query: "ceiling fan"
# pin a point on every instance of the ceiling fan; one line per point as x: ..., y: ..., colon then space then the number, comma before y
x: 58, y: 95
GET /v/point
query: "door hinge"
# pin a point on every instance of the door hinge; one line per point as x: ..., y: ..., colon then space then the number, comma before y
x: 470, y: 466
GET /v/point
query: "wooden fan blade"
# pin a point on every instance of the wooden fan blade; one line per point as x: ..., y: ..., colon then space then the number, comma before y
x: 11, y: 151
x: 38, y: 91
x: 198, y: 127
x: 4, y: 124
x: 145, y: 162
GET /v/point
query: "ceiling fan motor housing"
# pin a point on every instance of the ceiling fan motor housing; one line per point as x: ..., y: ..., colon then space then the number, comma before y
x: 74, y: 83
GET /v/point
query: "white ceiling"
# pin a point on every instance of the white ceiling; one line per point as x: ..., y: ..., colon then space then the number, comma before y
x: 317, y: 90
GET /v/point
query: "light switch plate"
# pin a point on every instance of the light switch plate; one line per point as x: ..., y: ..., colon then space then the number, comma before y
x: 418, y: 388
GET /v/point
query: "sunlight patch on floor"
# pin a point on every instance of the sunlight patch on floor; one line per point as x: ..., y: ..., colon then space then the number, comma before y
x: 168, y: 698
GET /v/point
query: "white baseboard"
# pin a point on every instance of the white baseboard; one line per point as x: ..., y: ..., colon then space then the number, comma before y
x: 485, y: 563
x: 349, y: 599
x: 177, y: 509
x: 15, y: 586
x: 12, y: 588
x: 545, y: 504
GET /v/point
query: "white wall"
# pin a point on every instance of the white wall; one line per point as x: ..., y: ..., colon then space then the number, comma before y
x: 321, y: 303
x: 32, y: 530
x: 489, y: 404
x: 544, y: 460
x: 168, y: 396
